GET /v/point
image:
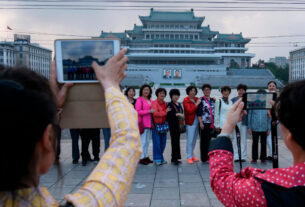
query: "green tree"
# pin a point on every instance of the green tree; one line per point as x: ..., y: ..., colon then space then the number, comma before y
x: 280, y: 73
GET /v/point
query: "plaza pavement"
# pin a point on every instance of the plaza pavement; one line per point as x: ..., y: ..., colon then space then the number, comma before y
x: 164, y: 186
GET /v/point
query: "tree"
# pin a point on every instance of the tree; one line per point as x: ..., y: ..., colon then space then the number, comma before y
x: 280, y: 73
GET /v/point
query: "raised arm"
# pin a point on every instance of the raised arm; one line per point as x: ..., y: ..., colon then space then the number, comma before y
x: 233, y: 189
x: 110, y: 181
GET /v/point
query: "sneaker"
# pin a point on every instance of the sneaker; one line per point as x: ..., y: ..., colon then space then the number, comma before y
x: 269, y: 158
x: 190, y: 161
x: 264, y: 161
x: 143, y: 161
x: 163, y: 162
x: 253, y: 161
x: 195, y: 159
x: 158, y: 163
x: 149, y: 160
x: 236, y: 160
x: 84, y: 162
x: 96, y: 160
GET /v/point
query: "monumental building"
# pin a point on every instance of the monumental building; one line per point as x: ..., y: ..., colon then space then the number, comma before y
x: 174, y: 48
x: 297, y: 65
x: 22, y: 52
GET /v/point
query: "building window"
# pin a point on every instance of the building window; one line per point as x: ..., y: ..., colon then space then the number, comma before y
x: 176, y: 36
x: 20, y: 48
x: 181, y: 37
x: 20, y: 55
x: 147, y: 36
x: 166, y: 36
x: 157, y: 36
x: 171, y: 36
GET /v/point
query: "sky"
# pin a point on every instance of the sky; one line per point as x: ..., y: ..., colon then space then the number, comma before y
x: 92, y: 22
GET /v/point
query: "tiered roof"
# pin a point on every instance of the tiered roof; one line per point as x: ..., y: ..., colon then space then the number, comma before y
x: 120, y: 35
x: 186, y: 16
x: 231, y: 38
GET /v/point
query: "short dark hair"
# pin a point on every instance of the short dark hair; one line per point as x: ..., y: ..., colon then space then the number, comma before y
x: 173, y: 92
x: 242, y: 86
x: 142, y: 88
x: 27, y: 107
x: 260, y: 91
x: 206, y: 85
x: 225, y: 88
x: 290, y: 110
x: 128, y: 89
x: 159, y: 90
x: 189, y: 88
x: 272, y: 82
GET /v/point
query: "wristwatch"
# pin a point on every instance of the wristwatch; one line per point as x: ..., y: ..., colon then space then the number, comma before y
x: 225, y: 135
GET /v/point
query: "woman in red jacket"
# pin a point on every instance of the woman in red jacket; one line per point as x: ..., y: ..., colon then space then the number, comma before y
x: 159, y: 118
x: 190, y: 104
x: 259, y: 187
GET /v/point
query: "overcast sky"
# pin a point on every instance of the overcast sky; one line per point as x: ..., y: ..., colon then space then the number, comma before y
x: 91, y: 23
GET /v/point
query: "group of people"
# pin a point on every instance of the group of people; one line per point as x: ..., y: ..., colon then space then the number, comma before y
x: 30, y: 106
x: 80, y: 73
x: 203, y: 116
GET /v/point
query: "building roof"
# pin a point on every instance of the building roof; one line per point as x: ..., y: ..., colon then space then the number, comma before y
x: 120, y: 35
x: 136, y: 30
x: 231, y: 38
x: 186, y: 16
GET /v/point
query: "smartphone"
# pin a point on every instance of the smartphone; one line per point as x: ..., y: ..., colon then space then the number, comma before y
x: 254, y: 100
x: 75, y: 56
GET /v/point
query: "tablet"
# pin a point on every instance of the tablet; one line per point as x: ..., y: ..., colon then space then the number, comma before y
x: 74, y: 58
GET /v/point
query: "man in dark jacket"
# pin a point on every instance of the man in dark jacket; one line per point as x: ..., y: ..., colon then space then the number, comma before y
x: 258, y: 187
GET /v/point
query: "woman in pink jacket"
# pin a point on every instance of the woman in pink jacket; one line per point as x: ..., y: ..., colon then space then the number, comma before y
x: 143, y: 107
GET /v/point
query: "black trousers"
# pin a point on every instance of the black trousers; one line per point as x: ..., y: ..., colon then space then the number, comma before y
x: 75, y: 148
x: 263, y: 138
x: 205, y: 139
x: 58, y: 136
x: 86, y: 136
x: 175, y: 142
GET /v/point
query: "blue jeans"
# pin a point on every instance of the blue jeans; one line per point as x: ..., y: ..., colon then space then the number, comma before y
x: 145, y: 142
x: 107, y: 134
x: 191, y: 134
x: 159, y: 143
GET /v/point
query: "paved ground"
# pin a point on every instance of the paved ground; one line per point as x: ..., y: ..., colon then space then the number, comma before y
x: 164, y: 186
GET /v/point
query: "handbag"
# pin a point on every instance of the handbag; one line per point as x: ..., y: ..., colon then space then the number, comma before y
x: 162, y: 128
x: 182, y: 127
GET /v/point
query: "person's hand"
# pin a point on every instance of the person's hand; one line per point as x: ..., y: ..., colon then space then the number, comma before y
x: 272, y: 102
x: 179, y: 114
x: 168, y: 109
x: 268, y: 132
x: 214, y: 99
x: 111, y: 74
x: 250, y: 131
x: 234, y: 115
x: 198, y: 101
x: 60, y: 93
x: 151, y: 111
x: 201, y: 126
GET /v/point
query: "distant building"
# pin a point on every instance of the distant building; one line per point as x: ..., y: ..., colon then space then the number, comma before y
x: 280, y: 61
x: 7, y: 54
x: 173, y: 48
x: 22, y: 52
x: 297, y: 65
